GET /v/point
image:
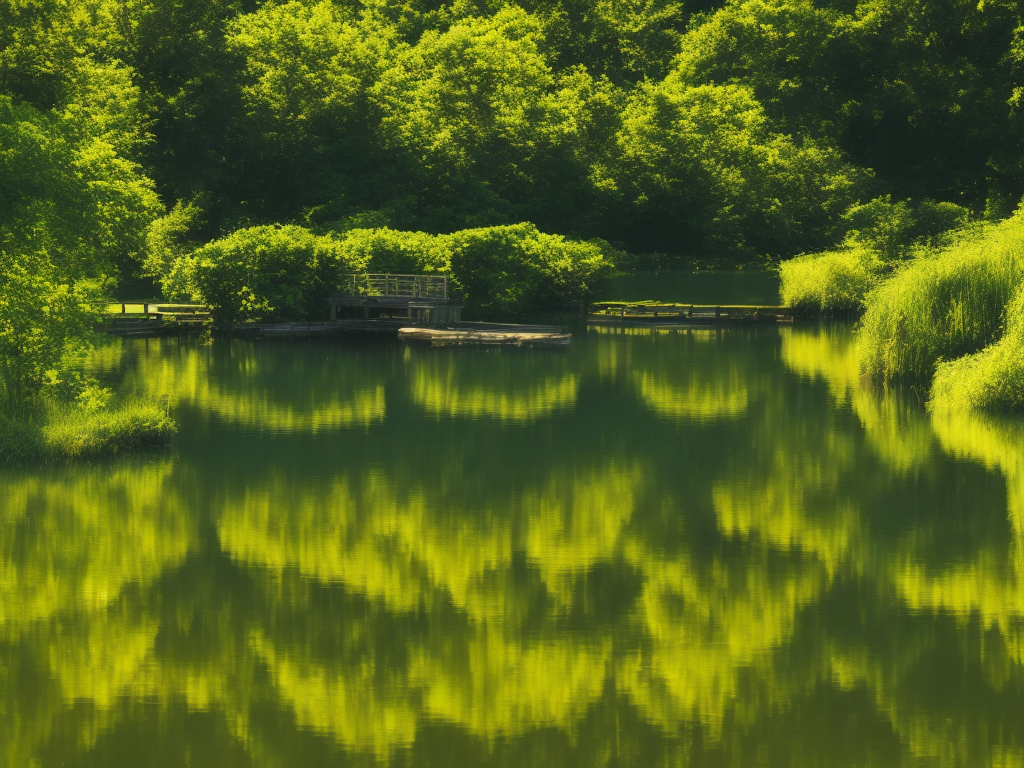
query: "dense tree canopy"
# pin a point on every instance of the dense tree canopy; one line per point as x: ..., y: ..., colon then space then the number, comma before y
x: 696, y: 128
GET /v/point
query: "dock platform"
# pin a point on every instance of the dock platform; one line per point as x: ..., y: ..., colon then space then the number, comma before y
x: 486, y: 334
x: 647, y: 313
x: 152, y: 318
x: 426, y: 300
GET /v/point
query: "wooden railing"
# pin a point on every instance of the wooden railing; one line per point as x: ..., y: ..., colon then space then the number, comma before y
x: 157, y: 309
x: 413, y: 286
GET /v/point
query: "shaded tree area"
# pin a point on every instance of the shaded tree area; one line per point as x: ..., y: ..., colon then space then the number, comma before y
x: 700, y: 129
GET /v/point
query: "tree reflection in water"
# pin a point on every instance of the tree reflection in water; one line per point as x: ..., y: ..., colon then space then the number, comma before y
x: 657, y: 548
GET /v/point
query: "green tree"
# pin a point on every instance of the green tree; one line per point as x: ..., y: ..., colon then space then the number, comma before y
x: 72, y: 214
x: 703, y: 166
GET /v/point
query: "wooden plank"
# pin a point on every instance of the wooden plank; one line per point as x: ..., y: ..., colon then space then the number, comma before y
x: 442, y: 338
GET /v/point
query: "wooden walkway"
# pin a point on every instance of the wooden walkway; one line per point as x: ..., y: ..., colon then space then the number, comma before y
x: 145, y: 318
x: 524, y: 336
x: 646, y: 313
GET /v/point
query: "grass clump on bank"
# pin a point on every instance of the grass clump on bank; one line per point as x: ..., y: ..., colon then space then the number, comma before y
x: 989, y: 380
x: 942, y: 306
x: 832, y: 284
x: 76, y: 433
x: 68, y: 432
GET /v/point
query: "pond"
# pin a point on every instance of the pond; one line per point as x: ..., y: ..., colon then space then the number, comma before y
x: 707, y: 548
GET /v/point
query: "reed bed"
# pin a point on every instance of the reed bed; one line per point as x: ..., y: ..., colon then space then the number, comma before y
x: 831, y: 284
x: 989, y: 380
x: 943, y: 306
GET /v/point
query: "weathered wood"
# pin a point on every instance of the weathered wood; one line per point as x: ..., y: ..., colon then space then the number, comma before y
x: 615, y: 312
x: 459, y: 337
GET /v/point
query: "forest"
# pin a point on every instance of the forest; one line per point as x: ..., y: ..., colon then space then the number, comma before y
x: 202, y: 146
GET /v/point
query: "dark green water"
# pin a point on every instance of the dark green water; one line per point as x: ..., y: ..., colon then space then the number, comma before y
x: 656, y: 549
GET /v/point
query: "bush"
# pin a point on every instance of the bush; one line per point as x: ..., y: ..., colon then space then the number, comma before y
x: 833, y: 283
x: 942, y: 306
x: 74, y: 433
x: 271, y: 273
x: 389, y: 250
x: 505, y: 270
x: 990, y: 380
x: 287, y: 273
x: 895, y: 229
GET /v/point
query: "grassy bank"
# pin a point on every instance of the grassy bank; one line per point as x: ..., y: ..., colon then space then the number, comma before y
x: 943, y: 306
x: 67, y: 432
x: 951, y: 316
x: 989, y: 380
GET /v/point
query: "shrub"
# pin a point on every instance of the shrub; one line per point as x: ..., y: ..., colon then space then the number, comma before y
x: 389, y: 250
x: 75, y: 433
x: 989, y: 380
x: 833, y: 283
x: 287, y: 273
x: 505, y: 270
x: 942, y: 306
x: 261, y: 274
x: 895, y: 229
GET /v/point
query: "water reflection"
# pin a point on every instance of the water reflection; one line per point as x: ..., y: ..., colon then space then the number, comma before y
x: 717, y: 549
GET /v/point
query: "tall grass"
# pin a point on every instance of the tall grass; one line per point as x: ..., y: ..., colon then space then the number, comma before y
x: 989, y: 380
x: 944, y: 305
x: 74, y: 433
x: 833, y: 284
x: 20, y: 441
x: 70, y: 432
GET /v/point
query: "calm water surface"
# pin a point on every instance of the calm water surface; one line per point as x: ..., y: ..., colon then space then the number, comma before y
x: 689, y: 548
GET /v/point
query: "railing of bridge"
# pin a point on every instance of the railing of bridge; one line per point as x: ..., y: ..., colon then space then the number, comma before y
x: 386, y: 284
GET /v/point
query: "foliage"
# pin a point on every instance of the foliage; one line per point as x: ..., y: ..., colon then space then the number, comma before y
x: 834, y: 283
x: 915, y: 90
x: 72, y: 214
x: 260, y: 274
x: 713, y: 130
x: 169, y: 237
x: 943, y: 306
x: 893, y: 229
x: 389, y: 250
x: 287, y: 273
x: 698, y: 128
x: 703, y: 165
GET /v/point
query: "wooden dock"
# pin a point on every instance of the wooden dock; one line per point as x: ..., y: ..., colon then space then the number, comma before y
x: 478, y: 334
x: 151, y: 318
x: 425, y: 300
x: 654, y: 313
